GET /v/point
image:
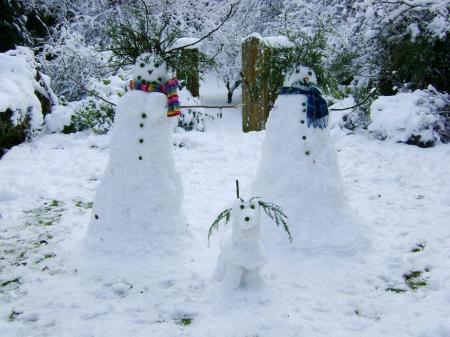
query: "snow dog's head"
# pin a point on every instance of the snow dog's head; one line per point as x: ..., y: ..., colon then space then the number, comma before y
x: 300, y: 76
x: 246, y: 214
x: 246, y: 217
x: 150, y: 68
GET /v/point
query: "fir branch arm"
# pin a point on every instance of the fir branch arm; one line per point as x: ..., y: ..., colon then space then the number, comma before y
x: 226, y: 214
x: 275, y: 212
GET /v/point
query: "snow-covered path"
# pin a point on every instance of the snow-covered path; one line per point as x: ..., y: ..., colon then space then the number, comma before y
x: 49, y: 288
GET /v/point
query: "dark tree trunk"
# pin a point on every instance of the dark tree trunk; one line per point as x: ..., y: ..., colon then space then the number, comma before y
x: 231, y: 89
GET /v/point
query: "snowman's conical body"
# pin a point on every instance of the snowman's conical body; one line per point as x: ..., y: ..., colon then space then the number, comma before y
x: 138, y: 202
x: 299, y: 171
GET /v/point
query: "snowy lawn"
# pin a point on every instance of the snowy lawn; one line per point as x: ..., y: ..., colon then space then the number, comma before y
x: 49, y: 287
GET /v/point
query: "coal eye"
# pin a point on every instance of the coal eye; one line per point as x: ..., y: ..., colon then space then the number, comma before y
x: 310, y: 73
x: 297, y: 71
x: 157, y: 65
x: 252, y: 206
x: 142, y: 65
x: 242, y: 206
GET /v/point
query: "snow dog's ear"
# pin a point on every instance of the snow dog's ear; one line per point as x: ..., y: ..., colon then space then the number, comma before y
x: 275, y: 212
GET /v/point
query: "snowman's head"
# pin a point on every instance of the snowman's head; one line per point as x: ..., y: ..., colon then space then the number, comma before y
x: 300, y: 76
x: 151, y: 68
x: 246, y: 214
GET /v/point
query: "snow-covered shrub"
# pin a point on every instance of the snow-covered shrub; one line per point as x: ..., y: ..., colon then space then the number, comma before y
x: 25, y: 96
x: 411, y: 117
x: 358, y: 117
x: 71, y: 63
x: 191, y: 118
x: 92, y: 113
x: 13, y: 25
x: 403, y: 42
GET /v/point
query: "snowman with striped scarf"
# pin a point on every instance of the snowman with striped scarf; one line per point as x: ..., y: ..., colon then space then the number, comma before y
x: 299, y: 171
x: 137, y: 206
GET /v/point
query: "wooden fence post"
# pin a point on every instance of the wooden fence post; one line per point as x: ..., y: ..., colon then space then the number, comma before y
x: 258, y: 103
x: 252, y: 105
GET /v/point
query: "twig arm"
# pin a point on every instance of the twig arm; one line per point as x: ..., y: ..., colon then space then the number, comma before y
x: 357, y: 105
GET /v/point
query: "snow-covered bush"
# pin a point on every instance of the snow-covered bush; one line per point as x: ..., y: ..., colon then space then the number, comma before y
x: 71, y: 63
x: 94, y: 113
x: 361, y: 98
x: 403, y: 42
x: 13, y: 25
x: 25, y: 97
x: 411, y: 117
x: 191, y: 118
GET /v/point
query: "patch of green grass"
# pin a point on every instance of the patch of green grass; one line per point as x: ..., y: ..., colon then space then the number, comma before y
x: 84, y: 204
x: 395, y: 290
x: 413, y: 279
x: 6, y: 283
x: 418, y: 248
x: 14, y: 315
x: 48, y: 214
x: 185, y: 321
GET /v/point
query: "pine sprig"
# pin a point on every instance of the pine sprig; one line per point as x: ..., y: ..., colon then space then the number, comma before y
x: 275, y: 212
x: 225, y: 215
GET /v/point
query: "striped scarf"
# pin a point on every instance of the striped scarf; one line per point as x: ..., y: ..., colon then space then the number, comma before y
x: 317, y: 110
x: 169, y: 89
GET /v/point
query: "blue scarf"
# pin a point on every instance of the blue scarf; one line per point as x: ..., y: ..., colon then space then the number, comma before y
x: 317, y: 110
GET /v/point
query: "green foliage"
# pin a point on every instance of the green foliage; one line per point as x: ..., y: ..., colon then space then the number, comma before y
x: 418, y: 248
x: 272, y: 210
x: 94, y: 115
x: 395, y: 290
x: 186, y: 321
x: 309, y: 50
x: 13, y: 315
x: 342, y: 66
x: 48, y: 214
x: 138, y: 31
x: 416, y: 62
x: 11, y: 134
x: 275, y: 212
x: 225, y: 215
x: 13, y: 25
x: 83, y: 204
x: 413, y: 279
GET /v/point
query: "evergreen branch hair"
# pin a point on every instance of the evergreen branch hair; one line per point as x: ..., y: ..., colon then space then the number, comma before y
x: 226, y: 214
x: 275, y: 212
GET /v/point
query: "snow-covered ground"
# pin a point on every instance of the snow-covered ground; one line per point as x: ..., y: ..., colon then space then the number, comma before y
x: 49, y: 286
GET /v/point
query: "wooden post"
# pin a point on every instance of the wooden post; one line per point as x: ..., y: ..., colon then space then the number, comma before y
x: 257, y: 105
x: 251, y: 110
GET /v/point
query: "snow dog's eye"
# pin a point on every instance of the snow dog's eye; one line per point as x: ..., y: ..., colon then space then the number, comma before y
x: 242, y: 206
x: 297, y: 71
x: 310, y: 73
x: 252, y: 206
x: 157, y: 65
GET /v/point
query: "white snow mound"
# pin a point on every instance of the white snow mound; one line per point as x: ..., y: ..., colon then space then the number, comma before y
x: 404, y: 115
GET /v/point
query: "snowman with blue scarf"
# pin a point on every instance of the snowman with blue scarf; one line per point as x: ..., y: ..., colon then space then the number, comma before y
x: 299, y: 171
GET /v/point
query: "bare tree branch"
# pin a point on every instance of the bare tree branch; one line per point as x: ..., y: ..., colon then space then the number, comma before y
x: 225, y: 19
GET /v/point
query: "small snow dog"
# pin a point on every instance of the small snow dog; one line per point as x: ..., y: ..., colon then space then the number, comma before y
x: 242, y: 254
